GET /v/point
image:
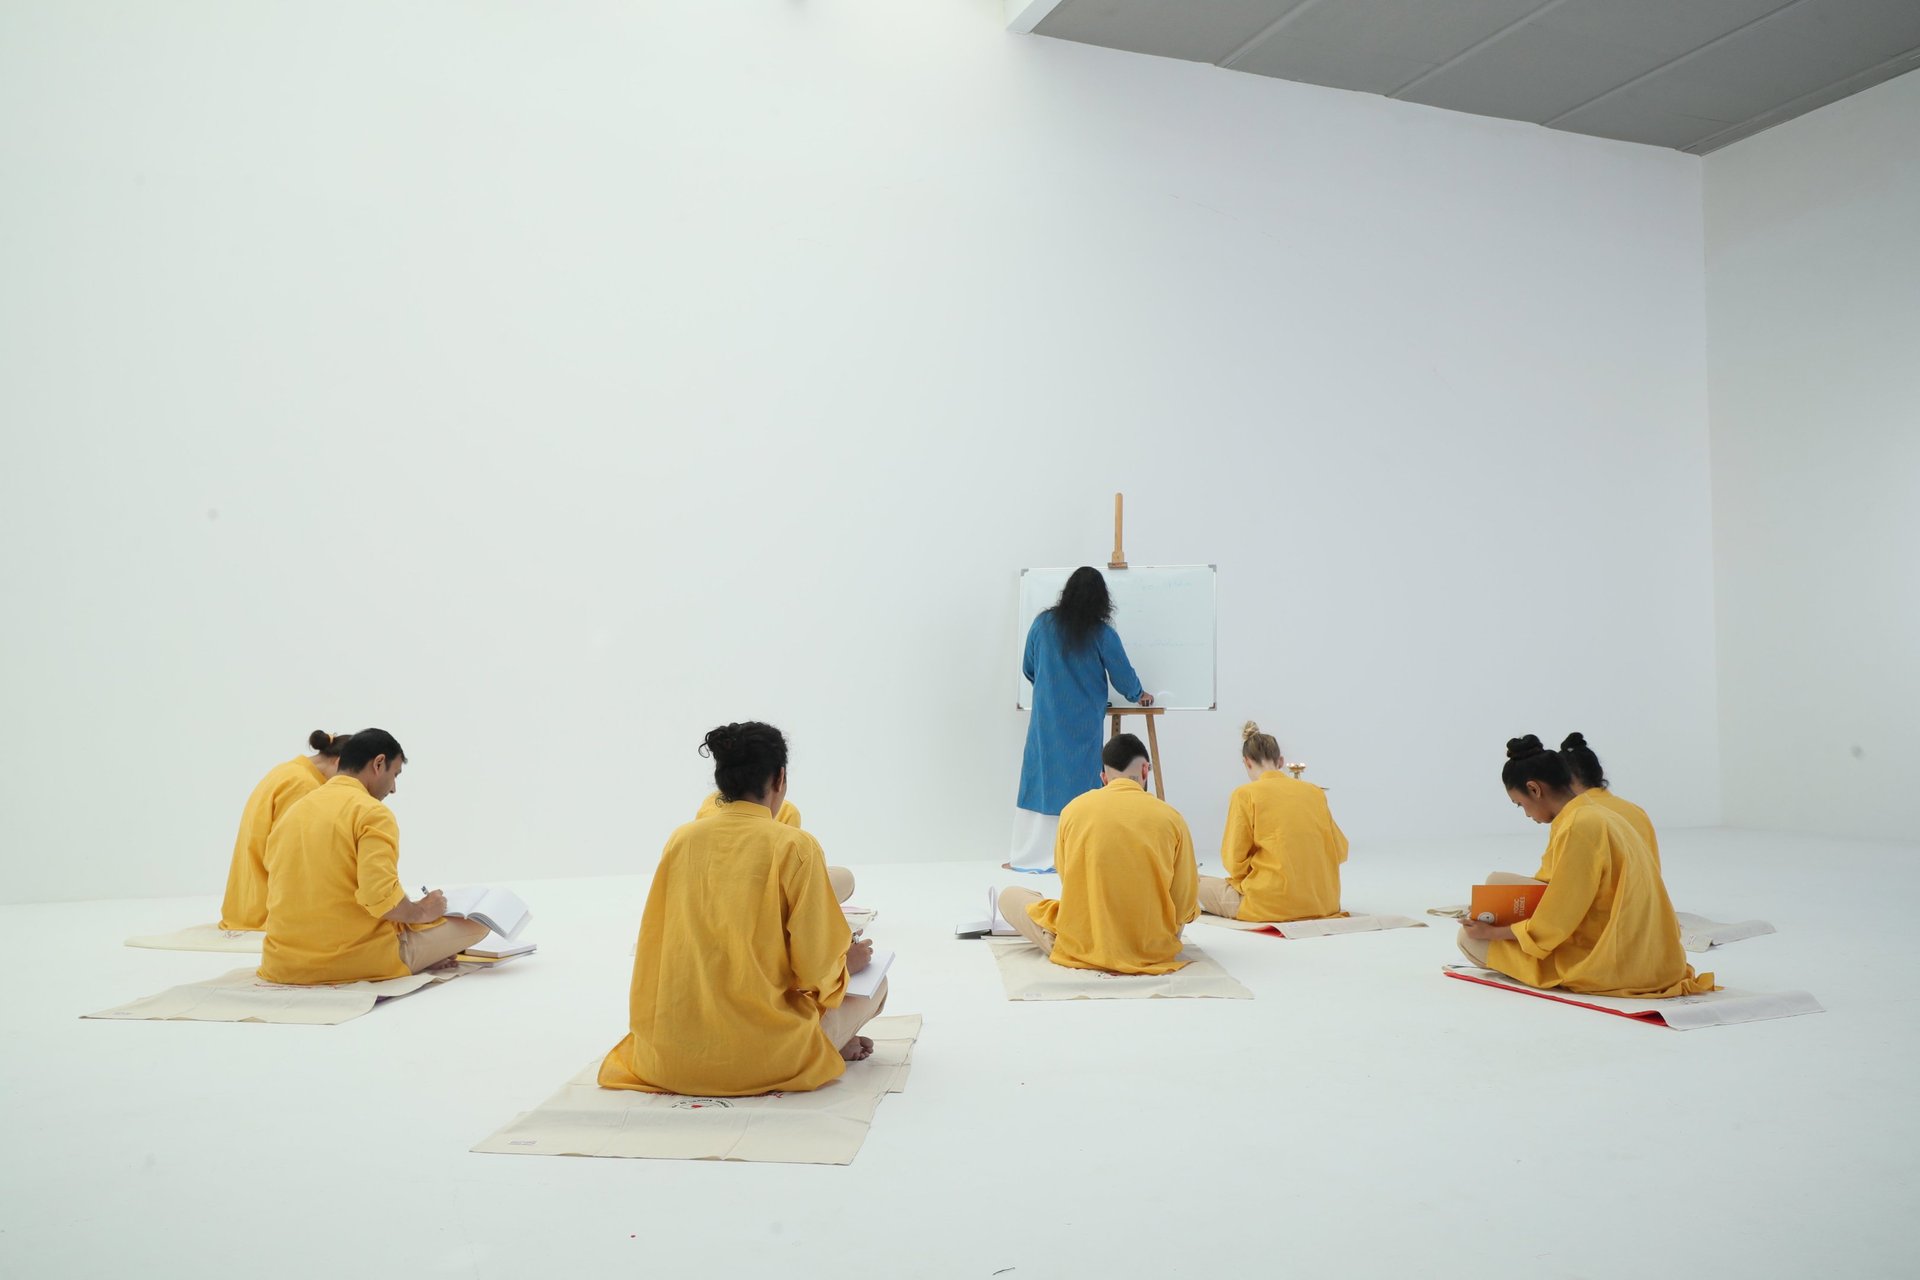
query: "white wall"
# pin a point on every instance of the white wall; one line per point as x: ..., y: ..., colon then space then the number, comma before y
x: 1813, y: 288
x: 548, y: 383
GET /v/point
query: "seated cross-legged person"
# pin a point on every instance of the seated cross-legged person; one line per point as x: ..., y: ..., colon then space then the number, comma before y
x: 1282, y: 849
x: 1127, y: 876
x: 790, y: 815
x: 245, y: 904
x: 740, y: 974
x: 335, y: 908
x: 1604, y: 926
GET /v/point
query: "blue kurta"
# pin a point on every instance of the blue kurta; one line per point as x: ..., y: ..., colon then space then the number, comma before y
x: 1065, y: 734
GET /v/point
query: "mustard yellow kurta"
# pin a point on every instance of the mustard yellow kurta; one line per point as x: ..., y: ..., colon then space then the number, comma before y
x: 1127, y: 882
x: 1636, y: 818
x: 742, y: 948
x: 714, y: 804
x: 332, y: 872
x: 1605, y: 925
x: 245, y: 906
x: 1283, y: 850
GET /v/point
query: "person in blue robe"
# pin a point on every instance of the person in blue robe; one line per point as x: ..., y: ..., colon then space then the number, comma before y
x: 1072, y: 654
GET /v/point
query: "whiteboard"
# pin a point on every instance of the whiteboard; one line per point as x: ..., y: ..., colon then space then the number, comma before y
x: 1165, y: 617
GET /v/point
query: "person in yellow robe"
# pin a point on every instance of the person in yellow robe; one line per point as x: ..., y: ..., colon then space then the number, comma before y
x: 1590, y: 779
x: 245, y: 903
x: 1127, y: 876
x: 740, y: 973
x: 789, y: 815
x: 1281, y: 849
x: 335, y: 908
x: 1604, y: 925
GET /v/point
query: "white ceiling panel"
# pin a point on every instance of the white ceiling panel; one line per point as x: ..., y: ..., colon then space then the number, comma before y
x: 1690, y: 74
x: 1570, y: 53
x: 1207, y: 31
x: 1376, y: 46
x: 1793, y: 53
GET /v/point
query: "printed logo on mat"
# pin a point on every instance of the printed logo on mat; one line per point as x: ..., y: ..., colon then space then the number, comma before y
x: 695, y: 1104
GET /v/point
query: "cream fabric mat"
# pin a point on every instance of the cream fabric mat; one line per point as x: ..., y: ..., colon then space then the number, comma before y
x: 1721, y: 1008
x: 243, y: 996
x: 824, y: 1126
x: 1028, y: 975
x: 1326, y: 928
x: 203, y: 937
x: 1697, y: 933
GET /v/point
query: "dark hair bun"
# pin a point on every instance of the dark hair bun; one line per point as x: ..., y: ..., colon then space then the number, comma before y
x: 319, y: 739
x: 1523, y: 748
x: 1574, y: 742
x: 746, y: 755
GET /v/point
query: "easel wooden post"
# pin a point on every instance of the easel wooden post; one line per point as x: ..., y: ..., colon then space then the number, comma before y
x: 1119, y: 561
x: 1153, y: 739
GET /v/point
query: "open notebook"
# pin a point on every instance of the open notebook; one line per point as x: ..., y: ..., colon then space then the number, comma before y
x: 501, y: 910
x: 867, y: 981
x: 995, y: 923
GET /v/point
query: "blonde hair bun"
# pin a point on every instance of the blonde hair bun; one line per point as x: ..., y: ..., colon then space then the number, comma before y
x: 1248, y: 729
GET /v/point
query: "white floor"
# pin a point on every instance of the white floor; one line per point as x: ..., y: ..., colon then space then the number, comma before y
x: 1362, y: 1115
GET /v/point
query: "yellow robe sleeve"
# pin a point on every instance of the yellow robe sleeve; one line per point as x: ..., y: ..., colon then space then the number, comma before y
x: 817, y: 933
x: 377, y: 847
x: 1573, y: 882
x: 1236, y: 845
x: 1336, y: 838
x: 1186, y: 877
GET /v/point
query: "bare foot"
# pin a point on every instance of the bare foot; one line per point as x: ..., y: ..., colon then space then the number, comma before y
x: 857, y: 1049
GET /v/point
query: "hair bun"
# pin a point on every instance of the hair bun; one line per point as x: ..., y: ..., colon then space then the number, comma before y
x: 1248, y: 729
x: 319, y: 739
x: 1574, y: 742
x: 1522, y: 748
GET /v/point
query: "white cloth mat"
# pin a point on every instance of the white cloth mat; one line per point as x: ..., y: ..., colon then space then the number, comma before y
x: 1721, y: 1008
x: 203, y: 937
x: 243, y: 996
x: 1697, y: 933
x: 822, y: 1126
x: 1323, y: 928
x: 1028, y: 975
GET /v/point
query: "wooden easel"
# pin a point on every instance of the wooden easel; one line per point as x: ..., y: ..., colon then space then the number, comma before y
x: 1119, y: 561
x: 1153, y: 739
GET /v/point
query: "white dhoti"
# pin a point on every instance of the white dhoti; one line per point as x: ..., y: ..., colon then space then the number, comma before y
x: 1033, y: 836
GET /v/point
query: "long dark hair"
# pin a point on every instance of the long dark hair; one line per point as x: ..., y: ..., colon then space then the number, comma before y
x: 1529, y: 761
x: 1084, y: 607
x: 747, y: 756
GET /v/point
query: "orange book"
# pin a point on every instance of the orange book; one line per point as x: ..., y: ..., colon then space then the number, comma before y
x: 1505, y: 903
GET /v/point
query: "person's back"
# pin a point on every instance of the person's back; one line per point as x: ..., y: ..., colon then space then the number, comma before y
x: 1635, y: 817
x: 244, y: 905
x: 1282, y: 850
x: 1605, y: 925
x: 742, y: 946
x: 789, y: 814
x: 1127, y: 882
x: 1589, y: 776
x: 332, y: 873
